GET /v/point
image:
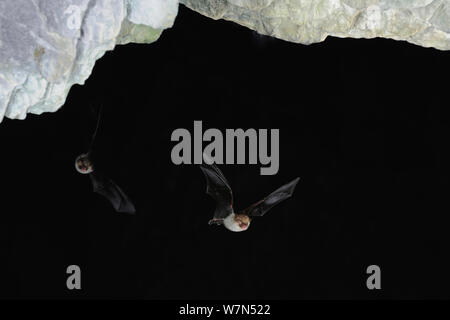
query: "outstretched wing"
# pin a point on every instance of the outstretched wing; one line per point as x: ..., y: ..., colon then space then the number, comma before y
x: 111, y: 191
x: 259, y: 208
x: 219, y: 189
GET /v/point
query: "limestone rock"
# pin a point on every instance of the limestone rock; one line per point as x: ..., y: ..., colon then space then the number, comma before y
x: 46, y: 46
x: 422, y: 22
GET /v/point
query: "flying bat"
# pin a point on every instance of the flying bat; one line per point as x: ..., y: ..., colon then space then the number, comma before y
x: 219, y: 189
x: 101, y: 184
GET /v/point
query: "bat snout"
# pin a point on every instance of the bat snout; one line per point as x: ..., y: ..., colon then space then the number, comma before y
x: 243, y: 226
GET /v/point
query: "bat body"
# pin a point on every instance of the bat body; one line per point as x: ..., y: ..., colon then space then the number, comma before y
x: 219, y: 189
x: 105, y: 186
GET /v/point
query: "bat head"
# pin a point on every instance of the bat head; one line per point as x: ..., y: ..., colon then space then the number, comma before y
x: 242, y: 221
x: 83, y: 164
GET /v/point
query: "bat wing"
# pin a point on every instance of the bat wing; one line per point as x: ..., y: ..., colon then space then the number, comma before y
x: 219, y: 189
x: 111, y: 191
x: 259, y: 208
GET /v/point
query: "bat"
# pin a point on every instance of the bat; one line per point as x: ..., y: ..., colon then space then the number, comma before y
x: 101, y: 184
x: 219, y: 189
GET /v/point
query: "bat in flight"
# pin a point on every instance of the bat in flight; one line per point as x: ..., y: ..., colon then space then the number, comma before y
x: 219, y: 189
x: 101, y: 184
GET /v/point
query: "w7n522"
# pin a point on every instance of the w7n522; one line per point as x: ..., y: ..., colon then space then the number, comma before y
x: 249, y: 309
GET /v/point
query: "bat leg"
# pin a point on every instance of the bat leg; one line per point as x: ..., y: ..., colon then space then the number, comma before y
x: 215, y: 221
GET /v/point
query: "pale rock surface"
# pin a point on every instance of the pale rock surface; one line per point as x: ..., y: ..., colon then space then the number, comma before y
x: 422, y: 22
x: 46, y: 46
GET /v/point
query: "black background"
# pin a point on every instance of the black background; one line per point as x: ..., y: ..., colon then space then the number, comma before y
x: 364, y: 123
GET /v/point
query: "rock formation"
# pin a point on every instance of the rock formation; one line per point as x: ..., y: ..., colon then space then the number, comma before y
x: 46, y: 46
